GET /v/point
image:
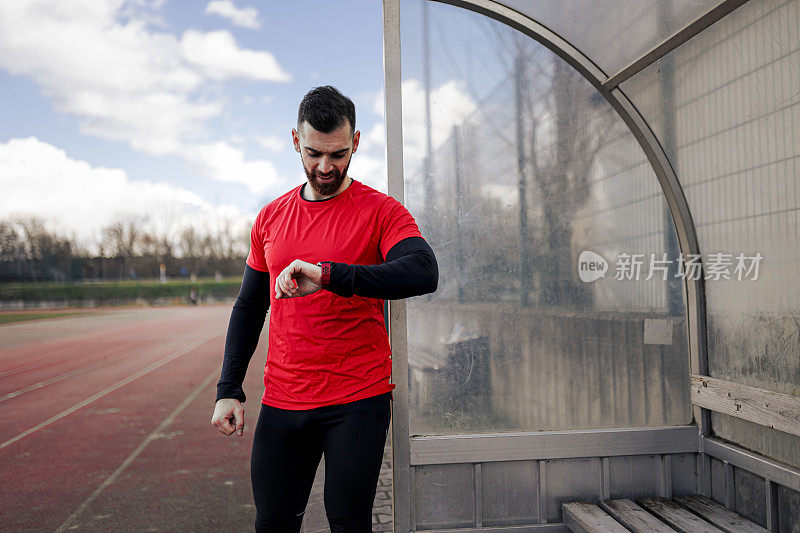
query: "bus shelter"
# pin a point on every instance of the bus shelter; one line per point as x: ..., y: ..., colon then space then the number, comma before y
x: 611, y: 189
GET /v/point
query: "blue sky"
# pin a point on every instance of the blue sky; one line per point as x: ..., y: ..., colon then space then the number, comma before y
x: 197, y: 97
x: 181, y: 111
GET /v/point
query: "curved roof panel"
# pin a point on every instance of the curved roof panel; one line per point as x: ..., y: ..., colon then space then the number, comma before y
x: 610, y: 33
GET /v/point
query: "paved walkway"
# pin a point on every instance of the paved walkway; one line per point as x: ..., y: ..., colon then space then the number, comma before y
x: 315, y: 520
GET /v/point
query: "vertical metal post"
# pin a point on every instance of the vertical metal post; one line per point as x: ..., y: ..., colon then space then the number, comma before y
x: 401, y: 450
x: 667, y: 85
x: 426, y: 80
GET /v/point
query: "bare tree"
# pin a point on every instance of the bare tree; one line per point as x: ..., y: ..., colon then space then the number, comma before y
x: 122, y: 239
x: 30, y: 251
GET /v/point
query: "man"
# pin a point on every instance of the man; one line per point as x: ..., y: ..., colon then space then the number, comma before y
x: 322, y: 258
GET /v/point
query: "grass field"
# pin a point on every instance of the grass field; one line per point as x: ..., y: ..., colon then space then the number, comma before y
x: 102, y: 292
x: 8, y: 318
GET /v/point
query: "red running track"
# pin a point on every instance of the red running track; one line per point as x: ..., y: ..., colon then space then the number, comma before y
x: 105, y: 424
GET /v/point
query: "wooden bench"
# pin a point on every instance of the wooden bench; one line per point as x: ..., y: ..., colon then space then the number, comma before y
x: 686, y: 514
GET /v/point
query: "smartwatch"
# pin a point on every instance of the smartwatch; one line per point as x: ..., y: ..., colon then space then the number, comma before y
x: 326, y: 272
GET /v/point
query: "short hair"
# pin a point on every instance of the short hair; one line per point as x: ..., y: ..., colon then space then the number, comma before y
x: 326, y: 109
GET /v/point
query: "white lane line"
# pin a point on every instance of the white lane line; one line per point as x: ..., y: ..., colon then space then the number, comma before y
x: 34, y: 366
x: 157, y: 433
x: 105, y: 391
x: 75, y: 372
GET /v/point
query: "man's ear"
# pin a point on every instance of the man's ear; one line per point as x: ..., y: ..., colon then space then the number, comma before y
x: 356, y: 138
x: 296, y: 140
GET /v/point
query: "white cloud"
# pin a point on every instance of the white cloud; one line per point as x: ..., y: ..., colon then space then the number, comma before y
x: 274, y: 143
x: 378, y: 104
x: 374, y: 139
x: 246, y: 17
x: 218, y: 56
x: 118, y: 78
x: 82, y: 199
x: 168, y: 119
x: 450, y: 106
x: 124, y: 81
x: 369, y: 169
x: 369, y: 163
x: 223, y: 162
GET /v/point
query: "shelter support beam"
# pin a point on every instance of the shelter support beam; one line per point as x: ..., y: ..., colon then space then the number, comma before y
x: 673, y: 41
x: 393, y: 113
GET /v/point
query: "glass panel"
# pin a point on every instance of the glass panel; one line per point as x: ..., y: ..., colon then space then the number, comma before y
x: 609, y: 32
x: 519, y: 167
x: 726, y: 106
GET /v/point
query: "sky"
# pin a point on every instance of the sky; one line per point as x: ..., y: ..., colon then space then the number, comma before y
x: 180, y: 110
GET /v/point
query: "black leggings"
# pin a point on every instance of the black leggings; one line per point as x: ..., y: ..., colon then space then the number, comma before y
x: 287, y: 446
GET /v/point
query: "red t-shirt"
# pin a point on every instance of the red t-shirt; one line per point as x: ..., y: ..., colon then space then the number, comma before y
x: 325, y: 349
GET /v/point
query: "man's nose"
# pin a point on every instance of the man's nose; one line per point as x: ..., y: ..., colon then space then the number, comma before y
x: 325, y: 165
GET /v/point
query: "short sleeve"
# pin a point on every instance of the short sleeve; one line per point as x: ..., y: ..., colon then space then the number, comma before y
x: 256, y: 259
x: 396, y: 224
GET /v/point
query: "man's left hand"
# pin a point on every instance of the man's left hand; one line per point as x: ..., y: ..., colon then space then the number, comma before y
x: 298, y: 279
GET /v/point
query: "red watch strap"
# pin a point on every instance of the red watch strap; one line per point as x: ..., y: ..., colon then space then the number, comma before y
x: 326, y: 273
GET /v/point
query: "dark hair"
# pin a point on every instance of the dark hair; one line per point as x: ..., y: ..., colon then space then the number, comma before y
x: 326, y: 109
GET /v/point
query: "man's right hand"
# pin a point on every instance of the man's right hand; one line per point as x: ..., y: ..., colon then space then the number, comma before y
x: 228, y: 416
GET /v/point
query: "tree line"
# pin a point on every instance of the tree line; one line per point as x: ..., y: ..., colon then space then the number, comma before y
x: 128, y: 248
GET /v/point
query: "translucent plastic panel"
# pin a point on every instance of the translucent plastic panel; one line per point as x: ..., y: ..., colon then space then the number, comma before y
x: 726, y: 106
x: 613, y: 33
x: 518, y: 168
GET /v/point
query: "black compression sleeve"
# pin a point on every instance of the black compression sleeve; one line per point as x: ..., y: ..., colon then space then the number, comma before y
x: 410, y: 270
x: 247, y: 320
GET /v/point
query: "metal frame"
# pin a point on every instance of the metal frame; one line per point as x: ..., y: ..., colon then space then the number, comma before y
x: 393, y: 113
x: 673, y: 192
x: 673, y: 41
x: 686, y: 436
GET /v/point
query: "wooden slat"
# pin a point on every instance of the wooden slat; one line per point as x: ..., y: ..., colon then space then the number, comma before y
x: 719, y: 515
x: 762, y: 406
x: 634, y: 517
x: 584, y: 517
x: 676, y: 516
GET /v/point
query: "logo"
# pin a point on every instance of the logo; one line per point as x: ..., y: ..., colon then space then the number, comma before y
x: 591, y: 266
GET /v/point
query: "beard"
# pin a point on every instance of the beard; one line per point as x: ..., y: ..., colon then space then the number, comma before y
x: 327, y: 188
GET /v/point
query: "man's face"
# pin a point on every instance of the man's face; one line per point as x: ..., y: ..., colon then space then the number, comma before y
x: 325, y: 157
